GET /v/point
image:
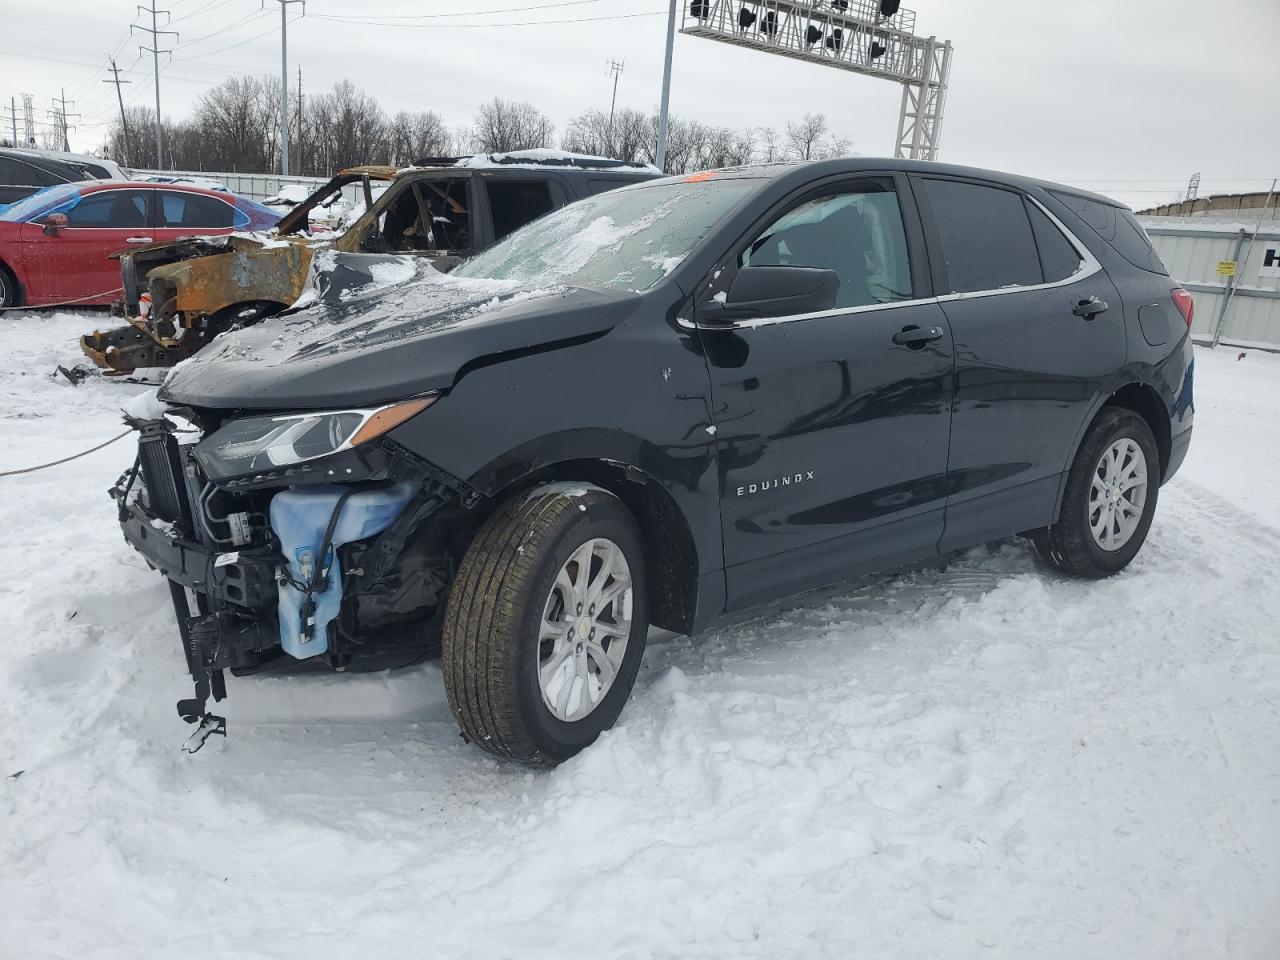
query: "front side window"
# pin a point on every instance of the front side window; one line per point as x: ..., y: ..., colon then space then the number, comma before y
x: 985, y: 236
x: 858, y: 234
x: 121, y: 209
x: 626, y: 239
x: 193, y: 211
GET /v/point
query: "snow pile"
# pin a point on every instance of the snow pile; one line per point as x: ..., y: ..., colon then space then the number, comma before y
x: 289, y: 195
x: 976, y: 761
x: 547, y: 157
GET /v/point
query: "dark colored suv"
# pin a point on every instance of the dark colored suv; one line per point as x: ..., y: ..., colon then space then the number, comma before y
x: 663, y: 405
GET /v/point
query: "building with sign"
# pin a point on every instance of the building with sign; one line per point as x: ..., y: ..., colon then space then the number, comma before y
x: 1228, y: 257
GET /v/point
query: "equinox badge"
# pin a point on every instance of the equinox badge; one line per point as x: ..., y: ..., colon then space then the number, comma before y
x: 795, y: 478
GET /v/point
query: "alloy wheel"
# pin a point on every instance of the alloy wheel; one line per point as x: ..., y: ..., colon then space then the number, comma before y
x: 585, y: 626
x: 1117, y: 494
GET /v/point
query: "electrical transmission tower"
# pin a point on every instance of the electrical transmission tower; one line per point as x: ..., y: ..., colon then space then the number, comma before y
x: 28, y: 120
x: 155, y: 51
x: 59, y: 116
x: 615, y: 68
x: 1193, y: 186
x: 124, y: 123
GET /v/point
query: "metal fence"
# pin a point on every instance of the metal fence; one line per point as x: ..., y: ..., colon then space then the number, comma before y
x: 1232, y: 271
x: 255, y: 186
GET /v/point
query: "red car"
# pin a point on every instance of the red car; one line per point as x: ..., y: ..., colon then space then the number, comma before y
x: 56, y: 245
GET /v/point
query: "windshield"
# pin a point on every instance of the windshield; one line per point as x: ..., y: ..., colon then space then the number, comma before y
x: 625, y: 239
x: 39, y: 202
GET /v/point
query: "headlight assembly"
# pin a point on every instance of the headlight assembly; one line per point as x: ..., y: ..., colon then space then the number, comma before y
x: 264, y: 443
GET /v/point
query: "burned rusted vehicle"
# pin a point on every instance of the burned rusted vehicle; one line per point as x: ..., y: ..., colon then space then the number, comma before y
x: 178, y: 296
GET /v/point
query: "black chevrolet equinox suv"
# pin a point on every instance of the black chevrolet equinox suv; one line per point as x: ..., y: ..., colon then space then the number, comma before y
x: 661, y: 405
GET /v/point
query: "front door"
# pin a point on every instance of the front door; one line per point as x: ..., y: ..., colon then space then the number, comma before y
x: 74, y: 263
x: 1038, y: 329
x: 831, y: 436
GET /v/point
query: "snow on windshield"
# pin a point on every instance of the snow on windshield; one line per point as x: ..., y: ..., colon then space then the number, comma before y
x: 626, y: 239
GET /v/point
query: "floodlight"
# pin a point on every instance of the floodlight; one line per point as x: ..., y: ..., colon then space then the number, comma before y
x: 836, y: 39
x: 770, y: 23
x: 700, y: 9
x: 812, y: 35
x: 877, y: 50
x: 889, y: 7
x: 745, y: 18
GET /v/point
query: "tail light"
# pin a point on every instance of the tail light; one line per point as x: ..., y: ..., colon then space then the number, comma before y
x: 1186, y: 306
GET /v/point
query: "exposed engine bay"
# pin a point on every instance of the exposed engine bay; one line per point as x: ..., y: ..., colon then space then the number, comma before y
x: 286, y: 568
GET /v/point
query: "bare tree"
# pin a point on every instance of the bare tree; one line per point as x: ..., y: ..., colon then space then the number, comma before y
x: 804, y: 137
x: 350, y: 128
x: 768, y: 145
x: 412, y: 136
x: 505, y: 125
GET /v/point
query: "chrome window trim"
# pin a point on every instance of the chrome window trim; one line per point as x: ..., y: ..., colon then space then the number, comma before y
x: 1089, y: 265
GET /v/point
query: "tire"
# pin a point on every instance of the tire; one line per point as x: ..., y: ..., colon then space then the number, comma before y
x: 1071, y: 545
x: 507, y: 587
x: 8, y: 288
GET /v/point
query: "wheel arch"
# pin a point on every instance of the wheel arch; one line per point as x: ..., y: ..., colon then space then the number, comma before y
x: 1129, y: 394
x: 670, y: 549
x: 18, y: 298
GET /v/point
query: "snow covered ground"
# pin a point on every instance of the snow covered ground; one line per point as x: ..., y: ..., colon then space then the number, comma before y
x: 977, y: 761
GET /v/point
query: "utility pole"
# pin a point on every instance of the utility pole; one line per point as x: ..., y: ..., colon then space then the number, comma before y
x: 60, y: 117
x: 155, y: 52
x: 300, y: 114
x: 284, y: 82
x: 660, y: 160
x: 615, y: 68
x: 124, y: 123
x: 13, y: 115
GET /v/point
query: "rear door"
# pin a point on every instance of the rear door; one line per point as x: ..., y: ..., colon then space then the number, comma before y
x: 831, y: 436
x: 1028, y: 365
x: 178, y: 213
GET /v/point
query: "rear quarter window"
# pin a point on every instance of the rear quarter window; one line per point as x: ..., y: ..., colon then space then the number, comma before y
x: 1117, y: 226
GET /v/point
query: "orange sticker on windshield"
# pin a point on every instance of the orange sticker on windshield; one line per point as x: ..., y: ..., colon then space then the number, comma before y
x: 703, y: 175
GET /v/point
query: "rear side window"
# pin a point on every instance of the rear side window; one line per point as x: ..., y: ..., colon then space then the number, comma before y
x: 516, y: 202
x: 985, y: 236
x: 1118, y: 227
x: 193, y: 211
x: 1058, y: 256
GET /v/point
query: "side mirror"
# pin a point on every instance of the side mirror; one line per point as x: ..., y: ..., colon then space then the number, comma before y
x: 53, y: 223
x: 774, y: 292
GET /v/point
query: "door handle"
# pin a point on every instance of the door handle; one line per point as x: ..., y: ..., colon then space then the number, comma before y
x: 1090, y: 308
x: 916, y: 337
x: 137, y: 239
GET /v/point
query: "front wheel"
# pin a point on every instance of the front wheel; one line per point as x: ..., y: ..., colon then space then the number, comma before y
x: 545, y: 625
x: 1110, y: 499
x: 8, y: 288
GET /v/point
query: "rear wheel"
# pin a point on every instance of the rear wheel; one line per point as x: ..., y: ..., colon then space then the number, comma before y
x: 545, y: 625
x: 1110, y: 499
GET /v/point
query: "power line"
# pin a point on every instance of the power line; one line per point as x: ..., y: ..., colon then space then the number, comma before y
x: 460, y: 13
x: 490, y: 26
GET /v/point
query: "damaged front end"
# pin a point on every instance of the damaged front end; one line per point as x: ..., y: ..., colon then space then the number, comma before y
x: 290, y: 539
x: 179, y: 295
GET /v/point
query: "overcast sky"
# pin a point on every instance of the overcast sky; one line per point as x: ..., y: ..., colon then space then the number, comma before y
x: 1128, y: 97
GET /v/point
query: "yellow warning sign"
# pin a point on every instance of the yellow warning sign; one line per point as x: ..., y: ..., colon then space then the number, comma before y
x: 1226, y: 268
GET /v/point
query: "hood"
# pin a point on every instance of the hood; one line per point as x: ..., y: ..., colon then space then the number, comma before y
x: 410, y: 330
